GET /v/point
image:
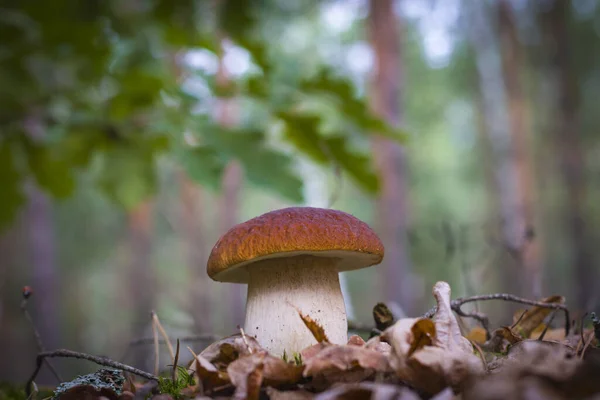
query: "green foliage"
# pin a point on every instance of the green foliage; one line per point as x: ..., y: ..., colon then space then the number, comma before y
x: 172, y: 387
x: 101, y: 81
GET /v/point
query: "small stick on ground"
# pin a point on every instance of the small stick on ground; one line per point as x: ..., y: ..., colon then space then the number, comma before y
x: 245, y: 340
x: 164, y: 335
x: 483, y: 319
x: 175, y: 363
x: 27, y: 292
x: 104, y: 361
x: 519, y: 319
x: 156, y: 348
x: 543, y: 334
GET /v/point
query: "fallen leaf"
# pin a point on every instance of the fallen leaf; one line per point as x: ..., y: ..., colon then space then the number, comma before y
x: 246, y: 374
x: 447, y: 328
x: 229, y: 349
x: 376, y: 344
x: 423, y: 334
x: 317, y: 330
x: 368, y: 391
x: 356, y: 340
x: 477, y: 335
x: 208, y: 376
x: 383, y: 316
x: 275, y: 394
x: 343, y: 363
x: 534, y: 317
x: 277, y: 372
x: 311, y: 351
x: 432, y: 359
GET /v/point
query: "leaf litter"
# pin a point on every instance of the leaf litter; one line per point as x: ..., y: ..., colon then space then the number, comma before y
x: 412, y: 358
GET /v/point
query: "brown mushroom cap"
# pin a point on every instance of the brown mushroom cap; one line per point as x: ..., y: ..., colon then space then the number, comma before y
x: 294, y: 231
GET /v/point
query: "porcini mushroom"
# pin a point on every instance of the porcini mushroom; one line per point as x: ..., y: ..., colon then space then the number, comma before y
x: 290, y: 258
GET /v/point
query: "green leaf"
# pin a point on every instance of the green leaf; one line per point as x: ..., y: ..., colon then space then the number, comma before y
x: 203, y: 165
x: 357, y: 165
x: 127, y: 176
x: 303, y: 132
x: 52, y: 172
x: 12, y: 196
x: 354, y: 109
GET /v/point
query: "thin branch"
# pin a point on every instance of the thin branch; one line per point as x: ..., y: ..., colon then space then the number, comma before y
x: 164, y: 335
x: 543, y: 334
x: 27, y: 291
x: 483, y: 319
x: 104, y: 361
x: 175, y: 362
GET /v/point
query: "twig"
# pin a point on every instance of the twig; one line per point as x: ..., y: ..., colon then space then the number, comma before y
x: 104, y: 361
x: 481, y: 355
x: 518, y: 320
x: 164, y: 335
x: 245, y: 340
x: 483, y: 319
x: 543, y: 334
x: 587, y: 344
x: 27, y: 292
x: 156, y: 349
x: 175, y: 362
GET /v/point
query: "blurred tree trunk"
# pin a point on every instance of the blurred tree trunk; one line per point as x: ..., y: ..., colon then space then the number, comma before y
x: 195, y: 248
x: 513, y: 238
x: 512, y: 67
x: 141, y: 274
x: 566, y: 132
x: 390, y: 157
x: 229, y: 205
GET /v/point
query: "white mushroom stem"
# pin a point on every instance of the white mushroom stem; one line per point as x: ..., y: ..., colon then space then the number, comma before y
x: 278, y: 285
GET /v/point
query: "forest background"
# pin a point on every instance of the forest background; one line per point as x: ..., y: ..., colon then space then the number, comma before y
x: 134, y: 133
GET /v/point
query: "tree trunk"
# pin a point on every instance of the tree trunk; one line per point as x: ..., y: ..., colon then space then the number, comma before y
x: 391, y: 160
x: 141, y: 280
x: 512, y: 65
x: 229, y: 206
x: 567, y: 135
x: 495, y: 101
x: 195, y: 251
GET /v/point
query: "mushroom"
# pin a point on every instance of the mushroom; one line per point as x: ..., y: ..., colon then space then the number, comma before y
x: 290, y: 259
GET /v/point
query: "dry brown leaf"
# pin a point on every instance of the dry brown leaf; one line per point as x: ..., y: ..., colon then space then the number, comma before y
x: 449, y: 361
x: 275, y: 394
x: 477, y: 335
x: 313, y: 350
x: 277, y: 372
x: 376, y: 344
x: 548, y: 370
x: 356, y: 340
x: 423, y: 334
x: 208, y: 376
x: 447, y: 329
x: 313, y: 326
x: 229, y: 349
x: 367, y: 391
x: 246, y: 374
x: 534, y: 317
x: 343, y: 363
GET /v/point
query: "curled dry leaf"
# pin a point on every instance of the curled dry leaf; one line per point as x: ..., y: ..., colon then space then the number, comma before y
x: 246, y: 374
x: 229, y: 349
x: 313, y: 326
x: 208, y: 376
x: 344, y: 363
x: 376, y: 344
x: 432, y: 356
x: 368, y: 391
x: 313, y: 350
x: 548, y: 370
x: 533, y: 318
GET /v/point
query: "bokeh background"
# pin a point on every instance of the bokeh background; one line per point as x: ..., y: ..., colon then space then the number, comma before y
x: 133, y: 133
